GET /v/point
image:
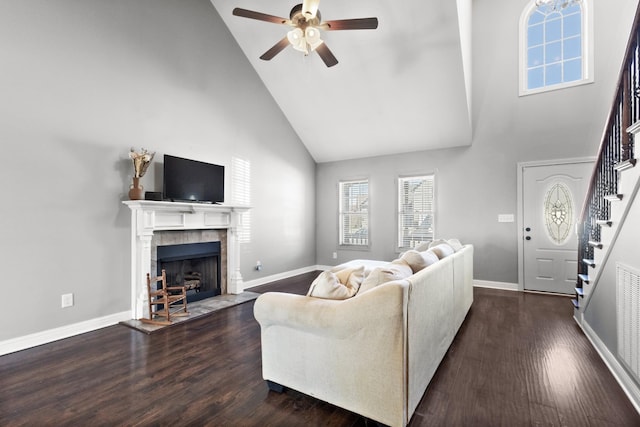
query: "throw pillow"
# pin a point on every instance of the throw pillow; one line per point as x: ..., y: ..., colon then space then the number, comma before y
x: 442, y: 250
x: 396, y: 270
x: 351, y: 277
x: 422, y: 246
x: 414, y: 259
x: 327, y: 286
x: 455, y: 244
x: 401, y: 268
x: 429, y: 257
x: 436, y: 243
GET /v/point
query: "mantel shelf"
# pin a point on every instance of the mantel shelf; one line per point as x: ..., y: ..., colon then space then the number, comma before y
x: 184, y: 206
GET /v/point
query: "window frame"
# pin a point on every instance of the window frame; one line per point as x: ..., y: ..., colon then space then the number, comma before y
x: 342, y: 214
x: 400, y: 211
x: 587, y: 42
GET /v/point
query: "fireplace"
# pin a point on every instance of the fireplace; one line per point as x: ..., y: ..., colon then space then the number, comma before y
x: 155, y: 224
x: 196, y: 266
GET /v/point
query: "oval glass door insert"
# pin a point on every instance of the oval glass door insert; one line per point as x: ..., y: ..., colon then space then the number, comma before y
x: 558, y: 213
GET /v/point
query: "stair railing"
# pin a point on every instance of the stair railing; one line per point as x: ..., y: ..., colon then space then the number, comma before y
x: 616, y: 147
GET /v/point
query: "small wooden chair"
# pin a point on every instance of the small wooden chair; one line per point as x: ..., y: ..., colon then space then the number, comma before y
x: 166, y: 302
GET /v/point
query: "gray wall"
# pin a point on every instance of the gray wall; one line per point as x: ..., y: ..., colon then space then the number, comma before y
x: 82, y: 81
x: 475, y: 184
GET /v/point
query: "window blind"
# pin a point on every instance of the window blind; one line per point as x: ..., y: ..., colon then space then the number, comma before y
x: 415, y: 210
x: 241, y: 192
x: 354, y: 213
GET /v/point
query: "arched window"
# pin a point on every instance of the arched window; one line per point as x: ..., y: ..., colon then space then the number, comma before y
x: 555, y: 47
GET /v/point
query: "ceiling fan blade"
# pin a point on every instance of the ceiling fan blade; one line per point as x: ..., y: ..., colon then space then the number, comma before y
x: 350, y: 24
x: 326, y: 55
x: 310, y: 8
x: 276, y: 49
x: 260, y: 16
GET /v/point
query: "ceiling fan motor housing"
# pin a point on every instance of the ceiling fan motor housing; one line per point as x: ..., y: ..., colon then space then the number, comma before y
x: 299, y: 19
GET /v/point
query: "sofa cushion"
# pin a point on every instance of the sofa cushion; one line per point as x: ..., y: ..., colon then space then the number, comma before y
x: 396, y: 270
x: 328, y: 286
x: 442, y: 250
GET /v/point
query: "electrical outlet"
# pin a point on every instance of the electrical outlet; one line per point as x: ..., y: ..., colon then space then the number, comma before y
x: 258, y: 265
x: 335, y: 255
x: 67, y: 300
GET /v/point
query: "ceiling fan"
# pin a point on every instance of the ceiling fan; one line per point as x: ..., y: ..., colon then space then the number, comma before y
x: 307, y: 23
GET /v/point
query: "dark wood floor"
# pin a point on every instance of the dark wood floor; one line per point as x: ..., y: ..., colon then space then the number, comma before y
x: 519, y: 360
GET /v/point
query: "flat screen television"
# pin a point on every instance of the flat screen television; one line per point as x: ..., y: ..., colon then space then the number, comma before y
x: 192, y: 180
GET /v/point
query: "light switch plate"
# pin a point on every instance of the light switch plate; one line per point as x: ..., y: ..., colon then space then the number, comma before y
x: 505, y: 218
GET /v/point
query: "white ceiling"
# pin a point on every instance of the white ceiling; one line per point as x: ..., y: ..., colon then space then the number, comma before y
x: 400, y: 88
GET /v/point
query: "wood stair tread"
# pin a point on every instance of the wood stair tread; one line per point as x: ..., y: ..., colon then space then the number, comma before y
x: 613, y: 197
x: 595, y: 244
x: 584, y: 278
x: 589, y: 262
x: 627, y: 164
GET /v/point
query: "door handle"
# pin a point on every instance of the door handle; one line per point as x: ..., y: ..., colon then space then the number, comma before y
x: 528, y: 237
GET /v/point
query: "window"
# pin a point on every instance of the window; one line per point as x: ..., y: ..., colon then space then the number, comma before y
x: 555, y: 47
x: 415, y: 210
x: 354, y: 213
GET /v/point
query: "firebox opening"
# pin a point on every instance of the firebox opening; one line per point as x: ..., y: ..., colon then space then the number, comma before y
x: 196, y: 266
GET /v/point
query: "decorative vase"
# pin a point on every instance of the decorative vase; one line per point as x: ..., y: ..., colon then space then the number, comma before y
x: 136, y: 191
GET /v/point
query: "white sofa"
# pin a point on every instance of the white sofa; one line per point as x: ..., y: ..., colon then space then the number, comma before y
x: 375, y: 353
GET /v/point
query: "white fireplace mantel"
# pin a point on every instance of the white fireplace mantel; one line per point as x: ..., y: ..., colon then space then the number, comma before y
x: 149, y: 216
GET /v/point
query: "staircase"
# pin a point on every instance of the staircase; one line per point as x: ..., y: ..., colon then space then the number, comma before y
x: 615, y: 179
x: 602, y: 231
x: 607, y: 293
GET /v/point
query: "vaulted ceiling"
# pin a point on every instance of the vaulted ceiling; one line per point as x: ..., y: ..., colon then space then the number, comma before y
x: 400, y: 88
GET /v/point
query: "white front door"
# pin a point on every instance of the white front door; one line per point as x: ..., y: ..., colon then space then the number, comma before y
x: 552, y: 197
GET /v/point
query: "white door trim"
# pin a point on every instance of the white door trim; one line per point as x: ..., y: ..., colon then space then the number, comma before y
x: 520, y: 201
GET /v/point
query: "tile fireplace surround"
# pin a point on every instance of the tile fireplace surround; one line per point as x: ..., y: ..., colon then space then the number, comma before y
x: 198, y: 222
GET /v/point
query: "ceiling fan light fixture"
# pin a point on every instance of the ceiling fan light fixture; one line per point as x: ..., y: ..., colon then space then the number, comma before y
x: 297, y: 40
x: 312, y: 36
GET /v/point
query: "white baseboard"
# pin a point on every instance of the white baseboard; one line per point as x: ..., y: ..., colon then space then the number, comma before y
x: 39, y: 338
x: 44, y: 337
x: 280, y: 276
x: 495, y: 285
x: 629, y: 386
